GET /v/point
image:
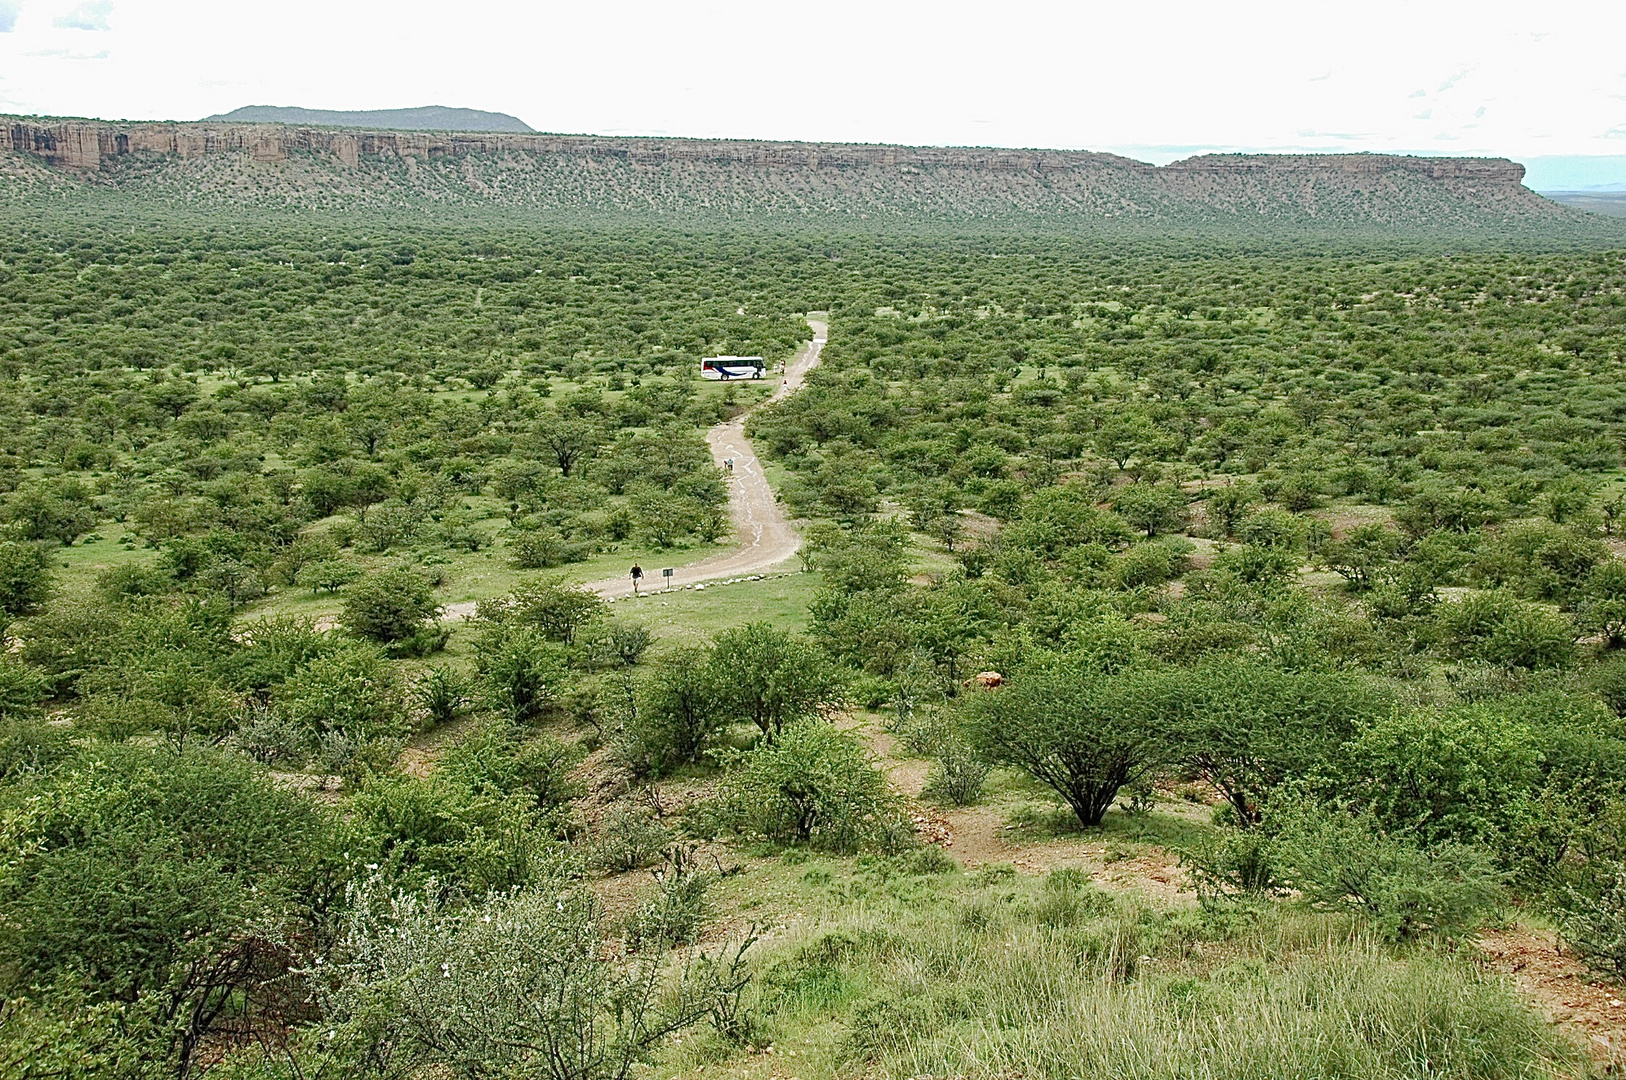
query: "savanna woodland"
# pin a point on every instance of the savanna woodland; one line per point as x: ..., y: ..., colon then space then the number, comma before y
x: 1205, y: 657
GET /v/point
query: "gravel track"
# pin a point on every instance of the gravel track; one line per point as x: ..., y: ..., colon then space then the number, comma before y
x: 767, y: 537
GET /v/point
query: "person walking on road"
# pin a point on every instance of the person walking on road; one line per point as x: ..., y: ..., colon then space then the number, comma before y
x: 637, y: 576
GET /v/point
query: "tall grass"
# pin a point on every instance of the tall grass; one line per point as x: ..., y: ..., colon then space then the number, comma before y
x: 1054, y: 979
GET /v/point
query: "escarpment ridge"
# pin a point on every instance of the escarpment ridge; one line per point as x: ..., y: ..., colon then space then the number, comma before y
x: 305, y: 166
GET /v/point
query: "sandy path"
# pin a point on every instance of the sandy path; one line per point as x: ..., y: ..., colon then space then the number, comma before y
x: 767, y: 537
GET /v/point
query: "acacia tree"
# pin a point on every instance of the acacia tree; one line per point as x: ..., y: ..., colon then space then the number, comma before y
x: 771, y: 677
x: 167, y: 885
x: 1152, y: 508
x: 568, y: 440
x: 1080, y: 733
x: 1245, y: 726
x: 552, y: 607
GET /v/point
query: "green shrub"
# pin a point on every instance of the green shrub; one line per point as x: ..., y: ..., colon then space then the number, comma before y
x: 163, y: 883
x: 958, y: 771
x: 272, y: 737
x: 443, y: 695
x: 630, y: 837
x: 328, y: 575
x: 676, y: 716
x: 389, y: 607
x: 1460, y: 774
x: 1232, y: 864
x: 813, y: 785
x: 1246, y: 727
x: 355, y: 759
x: 1071, y: 728
x: 1500, y: 629
x: 130, y: 580
x: 617, y: 643
x: 522, y: 672
x: 771, y: 678
x: 352, y: 689
x: 518, y: 984
x: 555, y: 609
x: 502, y: 761
x: 541, y: 547
x: 438, y: 830
x: 1594, y: 918
x: 1338, y: 859
x: 680, y: 906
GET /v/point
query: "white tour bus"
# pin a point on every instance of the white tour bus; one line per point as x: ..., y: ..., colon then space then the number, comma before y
x: 732, y: 367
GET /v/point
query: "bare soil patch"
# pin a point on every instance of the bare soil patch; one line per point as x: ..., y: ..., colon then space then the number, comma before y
x: 1563, y: 988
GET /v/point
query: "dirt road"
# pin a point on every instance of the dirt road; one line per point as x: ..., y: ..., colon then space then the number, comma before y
x: 766, y: 535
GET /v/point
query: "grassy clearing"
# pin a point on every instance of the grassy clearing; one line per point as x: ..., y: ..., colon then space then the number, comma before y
x: 75, y: 568
x: 908, y: 967
x: 780, y: 598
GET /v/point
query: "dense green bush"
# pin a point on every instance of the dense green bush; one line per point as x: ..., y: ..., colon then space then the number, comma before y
x: 813, y: 785
x: 522, y: 672
x: 500, y: 761
x: 450, y: 834
x: 1500, y: 629
x: 350, y: 706
x: 771, y: 678
x: 25, y: 578
x: 1462, y: 775
x: 389, y: 607
x: 677, y: 716
x: 1335, y: 858
x: 164, y: 884
x: 550, y: 607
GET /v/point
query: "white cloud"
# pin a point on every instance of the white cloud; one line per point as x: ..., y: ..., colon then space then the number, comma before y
x: 1187, y: 75
x: 90, y: 15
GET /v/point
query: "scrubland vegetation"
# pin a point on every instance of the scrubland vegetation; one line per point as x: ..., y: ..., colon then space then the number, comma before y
x: 1301, y: 569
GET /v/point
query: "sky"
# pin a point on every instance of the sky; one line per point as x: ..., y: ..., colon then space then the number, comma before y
x: 1155, y: 81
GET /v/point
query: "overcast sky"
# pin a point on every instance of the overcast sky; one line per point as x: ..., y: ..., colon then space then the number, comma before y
x: 1152, y: 80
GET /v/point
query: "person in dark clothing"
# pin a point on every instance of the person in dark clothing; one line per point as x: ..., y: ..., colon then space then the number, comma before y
x: 637, y: 576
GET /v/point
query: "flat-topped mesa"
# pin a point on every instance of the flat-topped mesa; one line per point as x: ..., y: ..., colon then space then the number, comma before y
x: 311, y: 166
x: 85, y: 144
x: 1490, y: 170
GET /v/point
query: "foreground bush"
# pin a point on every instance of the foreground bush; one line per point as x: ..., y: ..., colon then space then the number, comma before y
x: 519, y: 985
x: 151, y: 897
x: 1594, y: 919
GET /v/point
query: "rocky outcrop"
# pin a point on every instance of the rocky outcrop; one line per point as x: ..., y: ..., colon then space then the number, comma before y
x: 1487, y: 170
x: 568, y: 174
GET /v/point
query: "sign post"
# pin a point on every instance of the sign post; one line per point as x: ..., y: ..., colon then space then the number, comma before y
x: 667, y: 574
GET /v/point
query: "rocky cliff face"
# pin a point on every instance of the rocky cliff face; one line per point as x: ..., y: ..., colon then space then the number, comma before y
x: 78, y: 144
x: 308, y: 166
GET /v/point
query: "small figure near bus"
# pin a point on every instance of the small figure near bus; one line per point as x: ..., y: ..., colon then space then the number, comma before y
x: 637, y: 576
